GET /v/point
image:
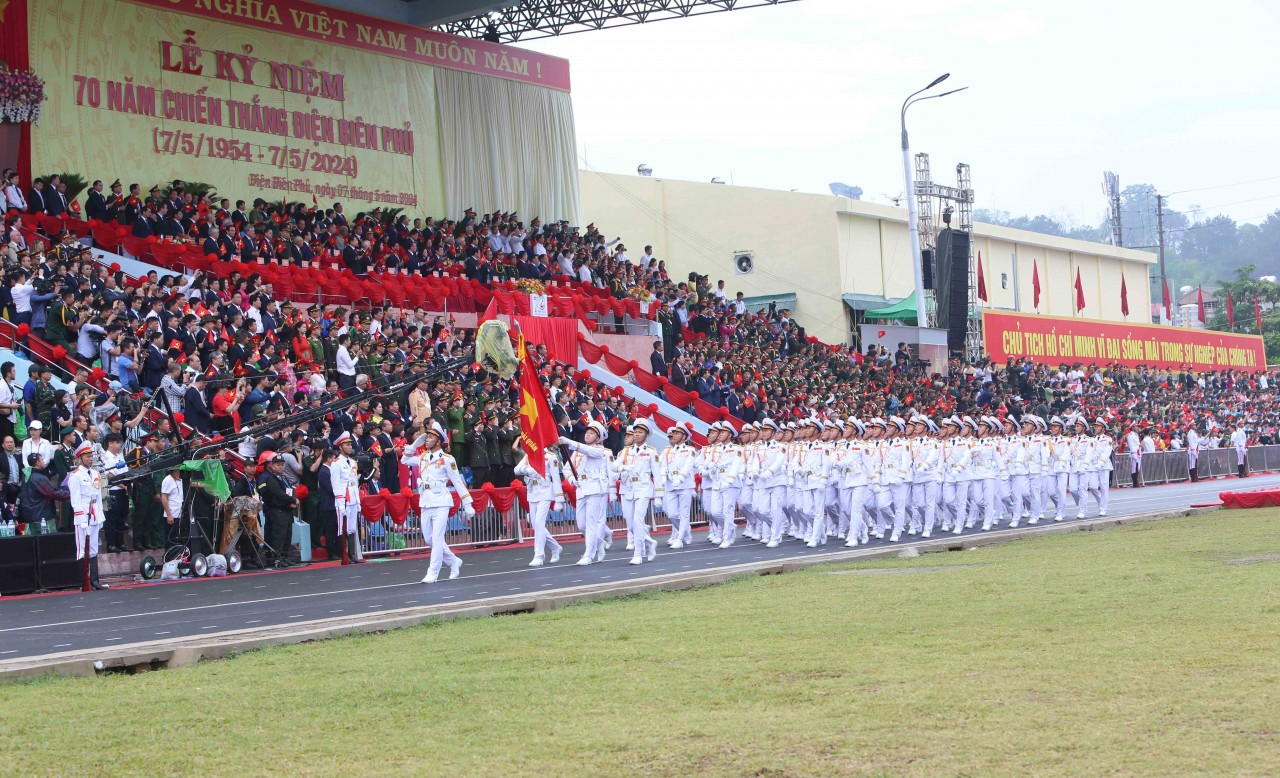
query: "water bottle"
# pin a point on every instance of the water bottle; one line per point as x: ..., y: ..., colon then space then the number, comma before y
x: 44, y: 526
x: 8, y: 529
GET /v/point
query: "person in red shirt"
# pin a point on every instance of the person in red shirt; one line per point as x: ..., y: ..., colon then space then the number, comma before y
x: 226, y: 408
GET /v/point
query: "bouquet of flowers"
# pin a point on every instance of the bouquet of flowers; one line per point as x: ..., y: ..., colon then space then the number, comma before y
x: 530, y: 286
x: 21, y: 93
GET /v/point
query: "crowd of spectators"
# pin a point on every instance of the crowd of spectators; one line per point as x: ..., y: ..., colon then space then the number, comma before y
x: 223, y: 355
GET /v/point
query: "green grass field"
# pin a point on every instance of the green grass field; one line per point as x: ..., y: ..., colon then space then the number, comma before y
x: 1152, y: 649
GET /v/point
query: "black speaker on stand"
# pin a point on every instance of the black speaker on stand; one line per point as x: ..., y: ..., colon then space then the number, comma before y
x: 959, y: 292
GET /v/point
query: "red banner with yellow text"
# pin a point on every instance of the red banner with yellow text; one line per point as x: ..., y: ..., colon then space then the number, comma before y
x: 1055, y: 340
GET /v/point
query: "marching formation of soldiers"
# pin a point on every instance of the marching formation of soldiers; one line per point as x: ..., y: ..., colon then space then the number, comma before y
x: 847, y: 480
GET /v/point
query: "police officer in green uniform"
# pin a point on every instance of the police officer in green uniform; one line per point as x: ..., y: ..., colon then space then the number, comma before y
x: 278, y: 503
x: 147, y: 517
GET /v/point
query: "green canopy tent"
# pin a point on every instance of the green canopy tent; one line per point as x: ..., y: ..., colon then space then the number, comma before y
x: 904, y: 311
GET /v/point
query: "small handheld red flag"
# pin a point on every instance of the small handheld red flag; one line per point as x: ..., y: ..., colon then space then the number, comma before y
x: 982, y: 281
x: 1079, y: 292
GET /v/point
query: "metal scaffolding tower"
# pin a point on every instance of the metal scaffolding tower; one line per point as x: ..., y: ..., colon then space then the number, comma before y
x: 962, y: 196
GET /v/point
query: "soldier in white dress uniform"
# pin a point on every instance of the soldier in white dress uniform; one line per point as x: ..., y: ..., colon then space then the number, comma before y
x: 896, y: 474
x: 769, y: 471
x: 1061, y: 452
x: 85, y: 486
x: 542, y: 492
x: 594, y: 480
x: 344, y: 477
x: 676, y: 466
x: 437, y: 471
x: 636, y: 466
x: 1103, y: 448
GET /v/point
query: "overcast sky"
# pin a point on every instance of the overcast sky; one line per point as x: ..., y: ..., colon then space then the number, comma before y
x: 1179, y: 95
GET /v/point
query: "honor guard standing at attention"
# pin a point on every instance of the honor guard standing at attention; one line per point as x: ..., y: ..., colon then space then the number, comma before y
x: 1240, y: 441
x: 278, y: 504
x: 636, y: 466
x: 1037, y: 466
x: 542, y: 492
x: 594, y: 479
x: 676, y: 466
x: 1194, y: 444
x: 85, y: 488
x: 437, y: 471
x: 1133, y: 445
x: 346, y: 495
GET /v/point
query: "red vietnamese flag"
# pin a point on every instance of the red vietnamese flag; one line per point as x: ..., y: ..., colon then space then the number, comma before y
x: 1124, y: 296
x: 490, y: 311
x: 1035, y: 284
x: 982, y: 281
x: 1257, y: 311
x: 537, y: 428
x: 1231, y: 313
x: 1167, y: 316
x: 1079, y: 292
x: 1200, y: 303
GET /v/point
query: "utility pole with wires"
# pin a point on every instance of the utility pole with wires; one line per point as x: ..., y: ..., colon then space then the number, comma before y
x: 1164, y: 279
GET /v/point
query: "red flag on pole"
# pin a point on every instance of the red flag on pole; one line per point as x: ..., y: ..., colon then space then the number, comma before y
x: 1257, y: 311
x: 1200, y: 303
x: 1167, y: 316
x: 1124, y: 296
x: 982, y: 281
x: 538, y: 429
x: 1231, y: 313
x: 1035, y: 284
x: 1079, y: 292
x: 490, y: 311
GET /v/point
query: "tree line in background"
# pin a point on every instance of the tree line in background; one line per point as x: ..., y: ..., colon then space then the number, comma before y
x: 1215, y: 252
x: 1198, y: 251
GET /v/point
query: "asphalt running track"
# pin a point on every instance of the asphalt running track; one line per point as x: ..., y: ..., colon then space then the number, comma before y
x: 35, y: 626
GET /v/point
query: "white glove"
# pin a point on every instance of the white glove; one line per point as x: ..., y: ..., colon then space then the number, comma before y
x: 469, y: 510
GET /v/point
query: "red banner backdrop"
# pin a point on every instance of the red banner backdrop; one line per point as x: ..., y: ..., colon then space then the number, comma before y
x: 335, y: 27
x: 1055, y: 340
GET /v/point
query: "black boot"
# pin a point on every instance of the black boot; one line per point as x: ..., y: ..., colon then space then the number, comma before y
x: 1194, y: 475
x: 93, y: 575
x: 1239, y: 471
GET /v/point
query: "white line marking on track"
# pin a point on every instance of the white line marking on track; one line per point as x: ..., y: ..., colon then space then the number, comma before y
x: 163, y: 633
x: 255, y: 621
x: 210, y: 626
x: 62, y: 645
x: 110, y: 639
x: 296, y: 616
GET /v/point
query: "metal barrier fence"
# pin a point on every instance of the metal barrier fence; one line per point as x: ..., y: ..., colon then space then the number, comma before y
x: 491, y: 527
x: 1170, y: 467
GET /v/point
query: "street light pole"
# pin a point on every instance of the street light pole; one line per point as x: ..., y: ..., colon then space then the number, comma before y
x: 913, y: 214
